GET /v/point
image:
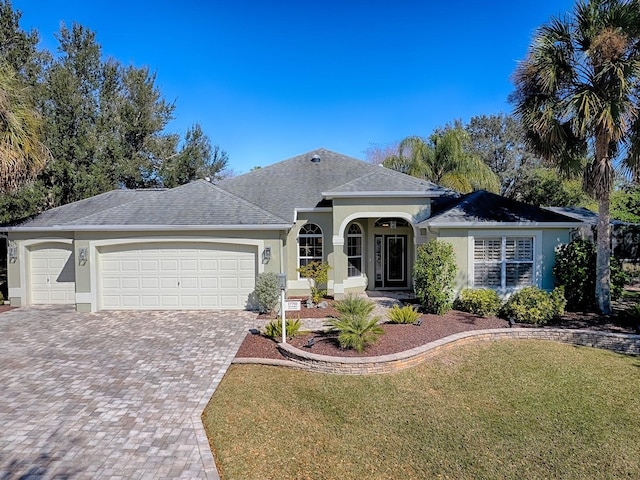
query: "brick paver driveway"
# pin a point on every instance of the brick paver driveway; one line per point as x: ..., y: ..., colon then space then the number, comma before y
x: 110, y: 395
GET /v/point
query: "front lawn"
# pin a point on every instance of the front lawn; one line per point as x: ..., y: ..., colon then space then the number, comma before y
x: 510, y: 409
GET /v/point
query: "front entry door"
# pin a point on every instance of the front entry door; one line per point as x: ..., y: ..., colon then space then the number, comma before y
x: 391, y: 261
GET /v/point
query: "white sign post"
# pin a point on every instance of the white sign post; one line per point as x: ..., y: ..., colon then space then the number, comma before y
x: 282, y: 282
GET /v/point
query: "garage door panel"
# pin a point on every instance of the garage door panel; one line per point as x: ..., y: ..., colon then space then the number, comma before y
x: 131, y: 283
x: 229, y: 265
x: 209, y: 282
x: 189, y: 265
x: 149, y: 265
x: 187, y: 276
x: 129, y: 265
x: 188, y: 282
x: 149, y: 282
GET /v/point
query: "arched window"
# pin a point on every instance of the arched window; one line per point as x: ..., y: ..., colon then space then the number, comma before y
x: 354, y: 250
x: 309, y: 244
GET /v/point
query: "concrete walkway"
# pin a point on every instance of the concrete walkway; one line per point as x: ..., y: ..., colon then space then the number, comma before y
x: 111, y: 394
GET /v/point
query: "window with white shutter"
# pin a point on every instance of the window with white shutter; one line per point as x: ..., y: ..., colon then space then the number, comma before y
x: 503, y: 262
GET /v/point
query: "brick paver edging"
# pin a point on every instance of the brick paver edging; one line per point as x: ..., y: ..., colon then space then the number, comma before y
x: 617, y: 342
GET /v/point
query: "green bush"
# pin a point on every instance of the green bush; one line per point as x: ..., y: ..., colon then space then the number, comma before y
x: 533, y: 305
x: 273, y: 329
x: 481, y: 301
x: 354, y: 305
x: 634, y: 312
x: 356, y: 331
x: 267, y: 292
x: 1, y: 298
x: 433, y: 276
x: 575, y: 270
x: 318, y: 275
x: 406, y: 314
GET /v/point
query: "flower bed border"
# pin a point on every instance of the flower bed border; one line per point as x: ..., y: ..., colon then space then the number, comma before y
x: 617, y: 342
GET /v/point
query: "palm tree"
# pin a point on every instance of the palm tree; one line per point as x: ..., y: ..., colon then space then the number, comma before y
x: 22, y: 153
x: 445, y: 159
x: 577, y: 98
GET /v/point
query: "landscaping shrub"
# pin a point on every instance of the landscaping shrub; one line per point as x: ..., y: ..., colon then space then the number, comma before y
x: 356, y: 331
x: 1, y: 298
x: 406, y: 314
x: 267, y: 292
x: 273, y: 329
x: 533, y: 305
x: 434, y: 275
x: 481, y: 301
x: 318, y: 275
x: 634, y: 312
x: 354, y: 305
x: 575, y: 270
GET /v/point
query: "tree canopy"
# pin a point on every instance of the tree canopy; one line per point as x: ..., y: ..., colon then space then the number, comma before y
x: 446, y: 159
x: 577, y: 98
x: 104, y: 123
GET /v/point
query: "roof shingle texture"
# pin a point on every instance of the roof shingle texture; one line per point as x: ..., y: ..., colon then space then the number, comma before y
x: 485, y: 207
x: 198, y: 203
x: 299, y: 182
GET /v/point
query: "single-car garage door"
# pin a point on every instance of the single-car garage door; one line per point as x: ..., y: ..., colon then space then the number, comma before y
x: 177, y: 276
x: 52, y: 274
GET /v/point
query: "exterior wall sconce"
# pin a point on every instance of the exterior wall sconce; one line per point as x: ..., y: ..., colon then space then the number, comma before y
x: 266, y: 255
x: 82, y: 256
x: 12, y: 251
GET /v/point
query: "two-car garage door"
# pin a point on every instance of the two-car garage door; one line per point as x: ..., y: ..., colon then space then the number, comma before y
x: 175, y: 276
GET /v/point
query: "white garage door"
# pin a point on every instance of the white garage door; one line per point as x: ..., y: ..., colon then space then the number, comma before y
x: 52, y: 274
x: 177, y: 276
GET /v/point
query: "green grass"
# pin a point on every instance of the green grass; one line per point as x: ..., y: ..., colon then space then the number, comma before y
x: 525, y: 409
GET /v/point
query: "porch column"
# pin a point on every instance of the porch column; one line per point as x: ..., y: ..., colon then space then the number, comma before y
x: 339, y: 267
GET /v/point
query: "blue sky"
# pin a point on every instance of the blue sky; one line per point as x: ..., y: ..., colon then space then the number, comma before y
x: 268, y: 80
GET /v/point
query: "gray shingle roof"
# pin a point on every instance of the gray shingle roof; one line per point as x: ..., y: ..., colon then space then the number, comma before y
x: 383, y: 180
x: 299, y: 183
x: 89, y: 206
x: 198, y: 203
x: 485, y: 207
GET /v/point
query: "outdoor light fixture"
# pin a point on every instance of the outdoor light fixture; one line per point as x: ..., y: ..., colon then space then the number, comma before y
x: 82, y: 256
x: 512, y: 322
x: 282, y: 283
x: 12, y: 251
x: 266, y: 255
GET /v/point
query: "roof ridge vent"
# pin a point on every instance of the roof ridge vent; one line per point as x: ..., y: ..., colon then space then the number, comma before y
x: 316, y: 158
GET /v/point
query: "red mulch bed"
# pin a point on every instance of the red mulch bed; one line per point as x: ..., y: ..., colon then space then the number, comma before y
x: 398, y: 338
x: 6, y: 308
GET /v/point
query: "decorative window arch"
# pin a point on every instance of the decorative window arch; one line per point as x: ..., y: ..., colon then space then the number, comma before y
x: 309, y: 244
x: 354, y: 250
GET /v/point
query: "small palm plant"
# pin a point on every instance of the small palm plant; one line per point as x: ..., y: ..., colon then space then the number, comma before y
x: 354, y: 305
x: 406, y: 314
x: 356, y: 331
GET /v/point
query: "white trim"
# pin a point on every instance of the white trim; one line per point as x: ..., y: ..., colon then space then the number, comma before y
x: 349, y: 218
x: 386, y: 194
x: 308, y: 235
x: 147, y: 228
x: 361, y: 236
x: 538, y: 260
x: 96, y: 244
